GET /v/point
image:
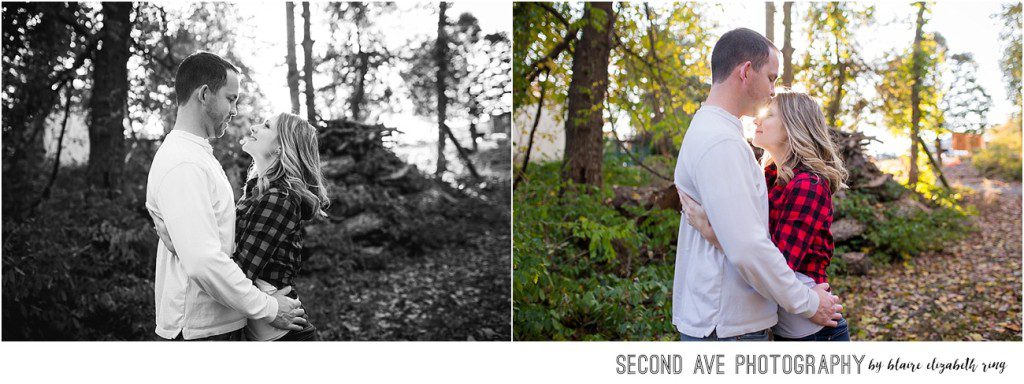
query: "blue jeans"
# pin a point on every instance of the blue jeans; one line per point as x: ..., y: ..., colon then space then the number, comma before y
x: 761, y: 335
x: 840, y: 333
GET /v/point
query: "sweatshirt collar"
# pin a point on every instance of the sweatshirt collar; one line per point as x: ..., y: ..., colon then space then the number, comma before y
x: 191, y: 137
x: 733, y: 120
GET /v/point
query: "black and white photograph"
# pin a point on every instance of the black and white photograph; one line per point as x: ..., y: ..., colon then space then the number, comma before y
x: 291, y: 171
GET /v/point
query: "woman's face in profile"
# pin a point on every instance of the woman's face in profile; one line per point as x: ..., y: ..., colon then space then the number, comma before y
x: 770, y: 134
x: 263, y: 139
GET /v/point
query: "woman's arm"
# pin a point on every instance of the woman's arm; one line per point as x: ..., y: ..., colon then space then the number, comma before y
x: 697, y: 218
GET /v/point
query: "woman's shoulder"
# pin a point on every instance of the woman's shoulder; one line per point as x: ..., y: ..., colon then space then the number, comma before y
x: 807, y: 180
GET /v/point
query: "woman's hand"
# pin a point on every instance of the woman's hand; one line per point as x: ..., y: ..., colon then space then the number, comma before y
x: 161, y: 230
x: 697, y: 218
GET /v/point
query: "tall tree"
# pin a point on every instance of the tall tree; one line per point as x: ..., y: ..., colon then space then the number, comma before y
x: 440, y: 57
x: 965, y: 102
x: 583, y: 127
x: 110, y: 96
x: 769, y: 20
x: 910, y: 93
x: 357, y: 55
x: 787, y: 47
x: 917, y: 73
x: 293, y: 68
x: 45, y: 46
x: 663, y: 76
x: 307, y: 65
x: 833, y: 67
x: 1011, y: 60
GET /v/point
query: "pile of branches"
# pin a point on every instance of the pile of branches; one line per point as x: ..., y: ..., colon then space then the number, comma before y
x: 381, y: 206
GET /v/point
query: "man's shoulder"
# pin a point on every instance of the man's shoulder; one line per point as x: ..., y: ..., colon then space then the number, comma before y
x: 173, y: 156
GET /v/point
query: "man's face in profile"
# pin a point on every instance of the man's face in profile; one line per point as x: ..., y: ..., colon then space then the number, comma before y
x: 224, y: 104
x: 761, y: 85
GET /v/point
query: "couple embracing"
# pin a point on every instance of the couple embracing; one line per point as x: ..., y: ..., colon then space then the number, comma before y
x: 224, y: 271
x: 751, y: 261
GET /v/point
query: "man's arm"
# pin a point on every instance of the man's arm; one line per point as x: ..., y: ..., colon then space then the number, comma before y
x: 192, y: 227
x: 730, y: 201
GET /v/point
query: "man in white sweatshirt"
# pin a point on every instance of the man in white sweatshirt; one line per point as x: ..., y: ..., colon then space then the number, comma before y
x: 734, y: 294
x: 201, y: 294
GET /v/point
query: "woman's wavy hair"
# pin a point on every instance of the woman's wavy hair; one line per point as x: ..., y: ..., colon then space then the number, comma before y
x: 298, y: 165
x: 810, y: 143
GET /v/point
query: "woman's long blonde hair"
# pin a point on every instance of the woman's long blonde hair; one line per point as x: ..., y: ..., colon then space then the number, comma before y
x: 298, y: 165
x: 810, y: 142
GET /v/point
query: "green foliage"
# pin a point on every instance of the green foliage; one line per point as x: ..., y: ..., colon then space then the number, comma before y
x: 833, y: 70
x: 1011, y: 38
x: 1001, y: 157
x: 79, y: 268
x: 658, y: 68
x: 898, y: 233
x: 580, y: 271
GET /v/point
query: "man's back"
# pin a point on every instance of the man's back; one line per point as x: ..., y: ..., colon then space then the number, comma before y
x: 188, y: 190
x: 712, y: 289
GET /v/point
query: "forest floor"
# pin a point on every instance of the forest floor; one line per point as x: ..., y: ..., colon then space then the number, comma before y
x: 459, y: 293
x: 969, y: 291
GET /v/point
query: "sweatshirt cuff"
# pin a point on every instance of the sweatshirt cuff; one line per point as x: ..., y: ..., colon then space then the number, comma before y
x: 271, y: 309
x: 812, y: 304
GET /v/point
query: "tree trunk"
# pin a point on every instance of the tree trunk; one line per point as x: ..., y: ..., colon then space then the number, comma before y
x: 915, y: 95
x: 474, y: 117
x: 583, y: 126
x: 835, y: 104
x: 307, y: 65
x: 362, y: 66
x: 110, y: 93
x: 359, y: 93
x: 769, y: 20
x: 441, y: 59
x: 787, y: 47
x: 293, y: 67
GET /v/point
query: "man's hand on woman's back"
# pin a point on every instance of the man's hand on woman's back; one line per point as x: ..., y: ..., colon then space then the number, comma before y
x: 289, y: 312
x: 829, y: 307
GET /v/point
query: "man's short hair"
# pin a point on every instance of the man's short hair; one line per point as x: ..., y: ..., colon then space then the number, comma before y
x: 737, y: 47
x: 199, y: 69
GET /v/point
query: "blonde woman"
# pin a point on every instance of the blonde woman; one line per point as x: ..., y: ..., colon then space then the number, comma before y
x: 802, y: 171
x: 285, y: 188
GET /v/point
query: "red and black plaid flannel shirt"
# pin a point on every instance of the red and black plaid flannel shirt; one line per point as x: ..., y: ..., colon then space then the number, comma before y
x: 268, y: 237
x: 799, y: 218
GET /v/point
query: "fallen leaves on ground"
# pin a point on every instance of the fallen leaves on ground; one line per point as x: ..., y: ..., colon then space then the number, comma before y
x: 457, y: 293
x: 970, y: 291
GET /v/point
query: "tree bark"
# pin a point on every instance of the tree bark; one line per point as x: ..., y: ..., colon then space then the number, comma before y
x: 307, y: 65
x: 787, y: 47
x: 769, y: 20
x: 110, y: 93
x: 915, y: 95
x: 441, y: 59
x: 293, y: 67
x: 835, y: 104
x: 362, y: 66
x: 584, y: 149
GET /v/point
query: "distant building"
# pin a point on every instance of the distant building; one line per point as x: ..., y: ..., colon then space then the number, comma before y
x: 549, y: 139
x: 967, y: 141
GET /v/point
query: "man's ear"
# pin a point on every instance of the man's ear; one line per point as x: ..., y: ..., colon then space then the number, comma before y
x: 745, y: 71
x: 203, y: 93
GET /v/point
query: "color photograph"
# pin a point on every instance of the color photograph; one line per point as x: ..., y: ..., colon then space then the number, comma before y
x: 755, y: 171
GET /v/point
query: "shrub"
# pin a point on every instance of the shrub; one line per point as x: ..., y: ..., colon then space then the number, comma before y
x: 569, y: 281
x: 1001, y: 158
x: 79, y: 268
